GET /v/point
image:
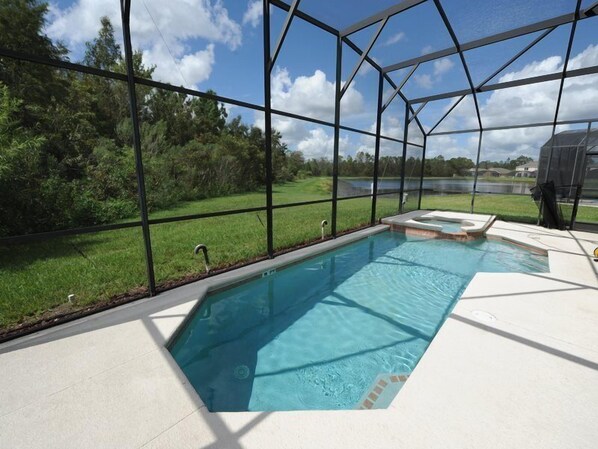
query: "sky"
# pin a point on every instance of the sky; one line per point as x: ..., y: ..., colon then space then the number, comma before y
x: 217, y: 44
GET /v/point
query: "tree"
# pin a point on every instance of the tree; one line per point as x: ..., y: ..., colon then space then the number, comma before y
x: 103, y: 52
x: 19, y: 167
x: 209, y: 116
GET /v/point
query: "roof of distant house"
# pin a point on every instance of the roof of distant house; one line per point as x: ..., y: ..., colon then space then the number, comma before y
x: 501, y: 171
x: 532, y: 164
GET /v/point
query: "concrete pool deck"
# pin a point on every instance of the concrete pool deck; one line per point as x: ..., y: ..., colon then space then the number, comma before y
x: 515, y: 365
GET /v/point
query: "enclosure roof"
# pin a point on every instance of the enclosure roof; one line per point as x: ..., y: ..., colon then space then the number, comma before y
x: 574, y: 138
x: 451, y: 57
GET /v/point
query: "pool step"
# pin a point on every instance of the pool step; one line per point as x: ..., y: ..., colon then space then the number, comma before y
x: 383, y: 391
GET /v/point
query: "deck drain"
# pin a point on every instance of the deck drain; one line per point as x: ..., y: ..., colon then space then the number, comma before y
x: 483, y: 316
x: 241, y: 372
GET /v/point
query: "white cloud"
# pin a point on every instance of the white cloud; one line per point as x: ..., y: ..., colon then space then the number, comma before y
x: 580, y: 94
x: 318, y: 143
x: 392, y: 126
x: 537, y: 102
x: 536, y: 68
x: 254, y: 13
x: 312, y: 96
x: 198, y: 66
x: 424, y: 80
x: 512, y: 143
x: 587, y: 58
x: 441, y: 66
x: 179, y: 23
x: 533, y: 103
x: 312, y: 140
x: 395, y: 38
x: 450, y: 146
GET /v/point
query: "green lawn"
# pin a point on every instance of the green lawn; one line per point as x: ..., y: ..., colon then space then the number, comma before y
x: 506, y: 207
x: 36, y: 278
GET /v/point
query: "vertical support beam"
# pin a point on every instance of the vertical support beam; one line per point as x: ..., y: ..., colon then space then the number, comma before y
x: 405, y: 137
x: 421, y: 179
x: 583, y: 169
x: 125, y: 11
x: 558, y: 102
x: 559, y: 97
x: 477, y: 169
x: 337, y: 123
x: 268, y: 128
x: 377, y: 147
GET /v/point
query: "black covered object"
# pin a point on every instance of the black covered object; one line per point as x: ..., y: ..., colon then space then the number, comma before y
x: 545, y: 197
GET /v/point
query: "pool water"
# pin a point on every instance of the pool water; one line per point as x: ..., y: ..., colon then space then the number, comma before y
x: 447, y: 226
x: 317, y: 334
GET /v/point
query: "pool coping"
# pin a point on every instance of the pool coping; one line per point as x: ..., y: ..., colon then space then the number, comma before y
x: 77, y: 385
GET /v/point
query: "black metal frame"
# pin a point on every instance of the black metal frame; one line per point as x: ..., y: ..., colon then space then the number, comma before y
x: 342, y: 38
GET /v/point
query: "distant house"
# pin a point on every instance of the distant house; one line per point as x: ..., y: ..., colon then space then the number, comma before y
x: 529, y: 170
x: 499, y: 172
x: 490, y: 172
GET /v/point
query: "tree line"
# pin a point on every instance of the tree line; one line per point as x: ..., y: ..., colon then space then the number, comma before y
x: 66, y: 138
x: 66, y: 157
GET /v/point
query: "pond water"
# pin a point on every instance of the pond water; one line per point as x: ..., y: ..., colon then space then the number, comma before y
x: 439, y: 186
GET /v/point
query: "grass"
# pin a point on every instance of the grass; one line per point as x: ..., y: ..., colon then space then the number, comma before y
x: 36, y: 278
x: 506, y: 207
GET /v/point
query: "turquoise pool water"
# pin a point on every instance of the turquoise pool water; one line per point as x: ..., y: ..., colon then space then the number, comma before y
x: 447, y: 226
x: 317, y: 334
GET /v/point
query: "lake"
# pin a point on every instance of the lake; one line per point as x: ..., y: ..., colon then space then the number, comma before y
x: 439, y: 186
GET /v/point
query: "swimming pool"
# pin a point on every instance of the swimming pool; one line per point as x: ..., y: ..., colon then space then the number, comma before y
x: 320, y: 334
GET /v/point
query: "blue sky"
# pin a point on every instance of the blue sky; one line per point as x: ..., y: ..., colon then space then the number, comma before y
x: 217, y: 44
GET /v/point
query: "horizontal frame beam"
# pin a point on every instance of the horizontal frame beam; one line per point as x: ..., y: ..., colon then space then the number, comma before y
x: 60, y: 64
x: 506, y: 127
x: 522, y: 31
x: 324, y: 26
x: 389, y: 12
x: 331, y: 125
x: 515, y: 83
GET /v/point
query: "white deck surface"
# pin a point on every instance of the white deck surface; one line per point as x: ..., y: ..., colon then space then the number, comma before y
x: 529, y: 379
